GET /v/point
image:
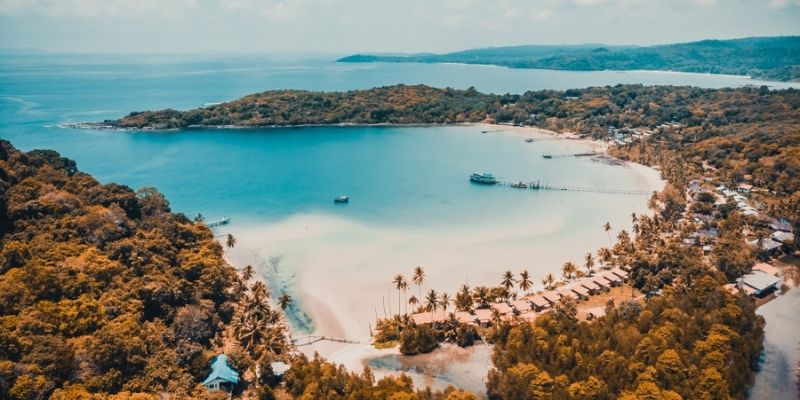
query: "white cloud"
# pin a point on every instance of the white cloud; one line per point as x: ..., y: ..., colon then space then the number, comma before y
x: 96, y: 8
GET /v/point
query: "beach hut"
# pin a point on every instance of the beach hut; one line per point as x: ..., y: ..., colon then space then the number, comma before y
x: 593, y: 287
x: 222, y: 376
x: 581, y: 291
x: 568, y: 293
x: 465, y: 317
x: 539, y: 303
x: 522, y: 306
x: 502, y: 308
x: 601, y: 281
x: 611, y: 278
x: 484, y: 316
x: 620, y: 273
x: 427, y: 317
x: 551, y: 297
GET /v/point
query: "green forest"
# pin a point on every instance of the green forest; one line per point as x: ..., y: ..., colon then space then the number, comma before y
x: 772, y: 58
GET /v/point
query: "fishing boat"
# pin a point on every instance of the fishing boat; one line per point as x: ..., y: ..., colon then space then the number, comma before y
x: 519, y: 185
x: 485, y: 178
x: 341, y: 199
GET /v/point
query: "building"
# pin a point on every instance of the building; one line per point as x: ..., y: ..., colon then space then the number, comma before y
x: 222, y: 376
x: 744, y: 188
x: 766, y: 268
x: 539, y: 303
x: 760, y: 282
x: 522, y: 306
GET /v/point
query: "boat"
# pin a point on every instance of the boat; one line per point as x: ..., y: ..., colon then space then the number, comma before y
x: 519, y: 185
x: 485, y: 178
x: 529, y: 140
x: 484, y: 131
x: 547, y: 155
x: 341, y: 199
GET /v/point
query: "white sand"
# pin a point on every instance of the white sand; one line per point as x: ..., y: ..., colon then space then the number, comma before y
x: 340, y: 270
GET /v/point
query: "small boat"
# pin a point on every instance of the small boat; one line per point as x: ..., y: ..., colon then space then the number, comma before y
x: 484, y: 131
x: 547, y: 155
x: 519, y: 185
x: 529, y: 140
x: 341, y: 199
x: 485, y: 178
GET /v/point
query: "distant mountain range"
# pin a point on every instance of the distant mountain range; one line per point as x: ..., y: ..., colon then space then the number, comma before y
x: 774, y: 58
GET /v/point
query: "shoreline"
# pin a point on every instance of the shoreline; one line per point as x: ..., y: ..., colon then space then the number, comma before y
x: 330, y: 261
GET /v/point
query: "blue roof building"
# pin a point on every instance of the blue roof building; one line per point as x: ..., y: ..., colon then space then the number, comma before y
x: 222, y: 376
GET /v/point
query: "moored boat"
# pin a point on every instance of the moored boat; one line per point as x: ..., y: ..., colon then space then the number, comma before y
x: 341, y: 199
x: 519, y: 185
x: 547, y: 155
x: 529, y: 140
x: 485, y: 178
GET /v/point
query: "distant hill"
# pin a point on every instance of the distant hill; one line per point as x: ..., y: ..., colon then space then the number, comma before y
x: 774, y: 58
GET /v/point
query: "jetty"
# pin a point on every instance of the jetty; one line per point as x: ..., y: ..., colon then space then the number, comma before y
x: 219, y: 222
x: 311, y: 339
x: 539, y: 185
x: 589, y: 154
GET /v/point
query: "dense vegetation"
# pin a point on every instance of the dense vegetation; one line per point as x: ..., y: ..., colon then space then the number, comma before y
x: 776, y: 58
x: 102, y: 289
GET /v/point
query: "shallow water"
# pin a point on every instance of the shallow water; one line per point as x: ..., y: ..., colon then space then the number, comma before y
x: 777, y: 378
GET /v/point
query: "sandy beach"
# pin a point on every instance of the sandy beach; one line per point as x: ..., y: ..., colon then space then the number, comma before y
x: 339, y: 270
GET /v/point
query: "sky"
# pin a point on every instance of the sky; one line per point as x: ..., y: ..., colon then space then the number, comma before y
x: 349, y: 26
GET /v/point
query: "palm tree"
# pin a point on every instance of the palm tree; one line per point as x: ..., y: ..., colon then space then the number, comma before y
x: 248, y: 272
x: 399, y: 283
x: 607, y: 228
x: 568, y: 270
x: 432, y: 302
x: 230, y: 241
x: 508, y: 281
x: 481, y: 295
x: 549, y: 279
x: 634, y: 218
x: 589, y: 264
x: 418, y: 278
x: 525, y: 281
x: 496, y: 317
x: 284, y: 301
x: 604, y: 254
x: 413, y: 301
x: 444, y: 301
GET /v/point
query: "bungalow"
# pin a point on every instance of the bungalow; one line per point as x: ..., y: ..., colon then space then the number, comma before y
x: 783, y: 237
x: 222, y: 376
x: 602, y: 281
x: 766, y: 268
x: 502, y: 308
x: 619, y: 272
x: 465, y: 317
x: 767, y: 245
x: 612, y: 279
x: 539, y: 303
x: 529, y: 316
x: 761, y: 282
x: 484, y: 316
x: 522, y: 306
x: 567, y: 292
x: 552, y: 297
x: 426, y: 317
x: 591, y: 286
x: 580, y: 292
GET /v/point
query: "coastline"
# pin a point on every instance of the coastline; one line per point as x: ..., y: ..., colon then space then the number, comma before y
x: 338, y: 270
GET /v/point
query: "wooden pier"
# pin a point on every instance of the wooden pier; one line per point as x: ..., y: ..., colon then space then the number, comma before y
x: 590, y: 154
x: 311, y: 339
x: 538, y: 185
x: 219, y: 222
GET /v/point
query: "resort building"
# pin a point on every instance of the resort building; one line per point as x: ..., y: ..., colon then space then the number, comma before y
x: 568, y: 293
x: 766, y: 268
x: 539, y: 303
x: 552, y: 297
x: 427, y: 317
x: 620, y: 272
x: 522, y: 306
x: 222, y: 376
x: 593, y: 287
x: 484, y: 316
x: 581, y: 291
x: 502, y: 308
x: 761, y: 283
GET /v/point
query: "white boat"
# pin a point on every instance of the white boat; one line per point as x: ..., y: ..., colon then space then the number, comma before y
x: 485, y: 178
x: 519, y: 185
x: 341, y: 199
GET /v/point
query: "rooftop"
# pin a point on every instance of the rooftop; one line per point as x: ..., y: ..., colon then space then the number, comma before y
x: 221, y: 370
x: 760, y: 281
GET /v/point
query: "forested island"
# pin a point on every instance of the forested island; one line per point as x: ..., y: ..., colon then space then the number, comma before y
x: 772, y: 58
